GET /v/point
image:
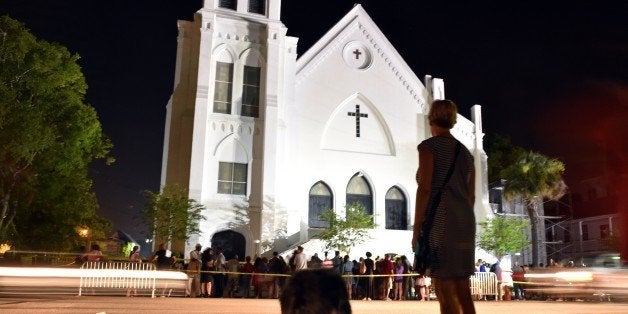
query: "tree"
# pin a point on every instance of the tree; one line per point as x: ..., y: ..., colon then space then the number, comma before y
x: 171, y: 215
x: 49, y: 137
x: 501, y: 154
x: 534, y: 177
x: 345, y: 232
x: 503, y: 235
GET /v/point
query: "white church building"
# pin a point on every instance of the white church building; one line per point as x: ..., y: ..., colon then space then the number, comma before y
x: 268, y: 140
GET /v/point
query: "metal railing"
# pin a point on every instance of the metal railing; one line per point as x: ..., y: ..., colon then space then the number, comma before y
x: 118, y: 275
x: 483, y: 284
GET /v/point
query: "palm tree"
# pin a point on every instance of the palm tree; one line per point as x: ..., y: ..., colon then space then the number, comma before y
x: 534, y: 177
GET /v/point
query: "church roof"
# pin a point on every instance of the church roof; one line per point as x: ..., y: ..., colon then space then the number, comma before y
x: 358, y: 20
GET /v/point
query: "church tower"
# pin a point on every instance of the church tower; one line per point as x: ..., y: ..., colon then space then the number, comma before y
x: 223, y: 121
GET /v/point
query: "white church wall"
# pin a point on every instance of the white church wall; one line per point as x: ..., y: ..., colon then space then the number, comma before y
x: 310, y: 135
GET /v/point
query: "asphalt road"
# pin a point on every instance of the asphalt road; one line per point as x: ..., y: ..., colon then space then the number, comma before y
x: 102, y: 305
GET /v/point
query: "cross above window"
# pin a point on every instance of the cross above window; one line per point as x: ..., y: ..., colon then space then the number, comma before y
x: 357, y: 116
x: 357, y: 53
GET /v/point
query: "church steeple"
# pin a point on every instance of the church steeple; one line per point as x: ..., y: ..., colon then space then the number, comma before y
x: 268, y: 8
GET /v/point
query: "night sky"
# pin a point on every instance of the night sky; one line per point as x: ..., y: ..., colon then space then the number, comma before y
x: 546, y: 74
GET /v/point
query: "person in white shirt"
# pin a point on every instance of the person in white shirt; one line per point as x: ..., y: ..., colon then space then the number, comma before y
x: 300, y: 260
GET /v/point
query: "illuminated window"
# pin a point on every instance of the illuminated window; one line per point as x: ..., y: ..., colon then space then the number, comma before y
x: 321, y: 200
x: 359, y: 191
x: 228, y: 4
x: 396, y: 212
x: 232, y: 178
x: 250, y: 91
x: 257, y: 6
x: 222, y: 87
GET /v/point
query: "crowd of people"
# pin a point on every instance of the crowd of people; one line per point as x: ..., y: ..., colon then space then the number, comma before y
x: 366, y: 278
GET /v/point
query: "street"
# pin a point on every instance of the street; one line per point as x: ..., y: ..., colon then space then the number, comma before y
x: 94, y: 304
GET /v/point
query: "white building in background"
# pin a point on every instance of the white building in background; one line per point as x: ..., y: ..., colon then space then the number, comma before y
x: 268, y: 141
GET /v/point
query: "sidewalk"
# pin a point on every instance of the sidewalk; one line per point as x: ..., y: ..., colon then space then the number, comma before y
x: 86, y: 304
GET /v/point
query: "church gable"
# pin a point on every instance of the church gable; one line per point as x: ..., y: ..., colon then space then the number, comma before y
x: 356, y: 44
x: 357, y: 126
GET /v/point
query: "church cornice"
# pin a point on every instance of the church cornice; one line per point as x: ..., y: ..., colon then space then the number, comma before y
x: 392, y: 67
x: 241, y: 27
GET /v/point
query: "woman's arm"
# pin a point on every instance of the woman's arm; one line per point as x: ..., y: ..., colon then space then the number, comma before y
x: 426, y: 168
x: 471, y: 187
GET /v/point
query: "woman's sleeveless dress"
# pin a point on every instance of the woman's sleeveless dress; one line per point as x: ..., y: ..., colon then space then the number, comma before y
x: 452, y: 237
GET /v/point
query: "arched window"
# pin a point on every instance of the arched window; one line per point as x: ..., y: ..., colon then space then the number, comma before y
x: 359, y: 191
x: 321, y: 200
x: 222, y: 87
x: 396, y: 211
x: 250, y: 91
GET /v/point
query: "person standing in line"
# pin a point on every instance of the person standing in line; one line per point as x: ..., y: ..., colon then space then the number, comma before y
x: 444, y: 206
x: 398, y: 280
x: 327, y: 263
x: 423, y: 287
x: 347, y: 273
x: 407, y: 279
x: 207, y: 265
x: 233, y: 267
x: 315, y: 261
x: 219, y: 277
x: 194, y: 271
x: 95, y: 255
x: 337, y: 262
x: 518, y: 275
x: 245, y: 279
x: 134, y: 257
x: 300, y: 260
x: 386, y: 283
x: 161, y: 258
x: 369, y: 269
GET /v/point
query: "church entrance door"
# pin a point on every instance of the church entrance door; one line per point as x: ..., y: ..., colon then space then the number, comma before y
x: 233, y: 243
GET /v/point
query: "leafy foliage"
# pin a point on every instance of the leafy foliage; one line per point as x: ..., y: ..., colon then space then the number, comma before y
x: 534, y: 177
x: 49, y: 137
x: 503, y: 235
x: 345, y: 232
x: 501, y: 154
x: 171, y: 215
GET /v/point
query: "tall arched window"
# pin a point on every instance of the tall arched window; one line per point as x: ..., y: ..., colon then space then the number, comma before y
x: 396, y: 211
x: 321, y: 200
x: 359, y: 191
x: 222, y: 87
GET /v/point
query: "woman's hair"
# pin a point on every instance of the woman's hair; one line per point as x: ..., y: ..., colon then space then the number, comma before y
x: 314, y: 291
x: 135, y: 249
x: 443, y: 113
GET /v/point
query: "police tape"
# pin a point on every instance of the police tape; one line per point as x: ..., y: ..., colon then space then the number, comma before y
x: 226, y: 273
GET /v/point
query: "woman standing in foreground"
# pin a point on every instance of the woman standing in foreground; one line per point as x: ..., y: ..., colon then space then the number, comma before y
x: 451, y: 237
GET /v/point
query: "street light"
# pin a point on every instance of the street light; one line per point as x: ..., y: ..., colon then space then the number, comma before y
x: 257, y: 248
x: 85, y: 233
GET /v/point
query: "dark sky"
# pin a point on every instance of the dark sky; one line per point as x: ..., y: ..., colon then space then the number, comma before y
x: 520, y: 60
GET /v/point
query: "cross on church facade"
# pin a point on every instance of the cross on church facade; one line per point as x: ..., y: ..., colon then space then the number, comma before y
x: 357, y: 116
x: 357, y: 53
